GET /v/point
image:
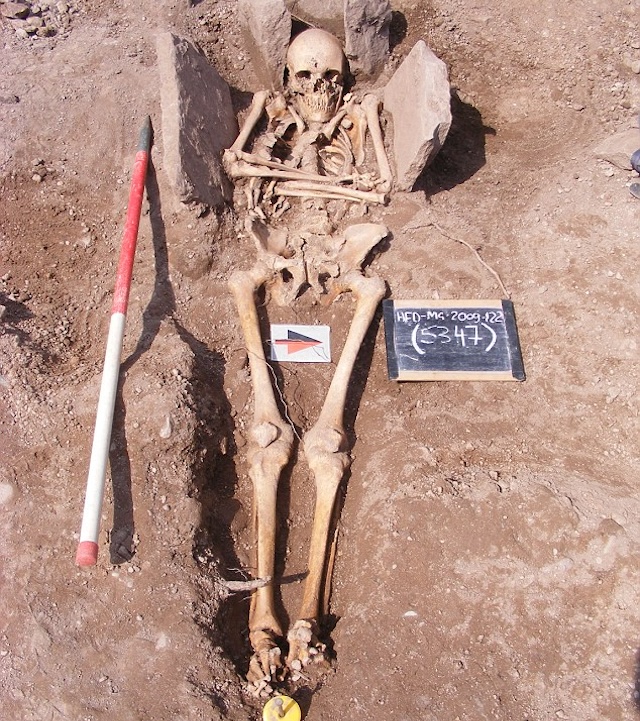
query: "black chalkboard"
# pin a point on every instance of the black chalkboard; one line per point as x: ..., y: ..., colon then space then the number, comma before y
x: 452, y: 340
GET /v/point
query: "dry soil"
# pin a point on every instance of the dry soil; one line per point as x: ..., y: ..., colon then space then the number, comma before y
x: 487, y: 563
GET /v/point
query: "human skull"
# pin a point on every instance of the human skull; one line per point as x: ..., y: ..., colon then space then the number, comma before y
x: 316, y: 68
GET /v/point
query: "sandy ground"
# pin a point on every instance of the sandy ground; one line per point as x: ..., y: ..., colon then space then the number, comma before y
x: 487, y: 563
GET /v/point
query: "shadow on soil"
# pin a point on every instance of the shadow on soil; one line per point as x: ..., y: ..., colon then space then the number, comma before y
x: 161, y: 306
x: 214, y: 476
x: 397, y: 29
x: 462, y: 154
x: 210, y: 405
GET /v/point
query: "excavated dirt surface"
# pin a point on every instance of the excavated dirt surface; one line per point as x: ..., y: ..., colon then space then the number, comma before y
x: 487, y: 563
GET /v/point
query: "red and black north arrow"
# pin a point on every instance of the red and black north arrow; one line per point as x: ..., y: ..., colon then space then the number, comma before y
x: 296, y: 342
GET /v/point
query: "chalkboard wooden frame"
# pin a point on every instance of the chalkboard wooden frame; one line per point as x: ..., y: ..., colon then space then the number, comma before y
x: 427, y: 340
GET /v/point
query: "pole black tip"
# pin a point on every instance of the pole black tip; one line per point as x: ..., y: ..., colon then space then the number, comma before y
x: 146, y: 135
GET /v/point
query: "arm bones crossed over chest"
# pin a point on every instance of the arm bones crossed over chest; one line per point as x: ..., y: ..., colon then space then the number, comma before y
x: 293, y: 180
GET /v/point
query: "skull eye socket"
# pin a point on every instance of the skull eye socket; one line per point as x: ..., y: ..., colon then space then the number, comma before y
x: 332, y: 76
x: 303, y: 75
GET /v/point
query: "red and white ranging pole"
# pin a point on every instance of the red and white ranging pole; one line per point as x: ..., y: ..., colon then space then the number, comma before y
x: 87, y: 553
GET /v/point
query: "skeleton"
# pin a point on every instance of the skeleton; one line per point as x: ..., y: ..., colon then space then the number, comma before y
x: 314, y: 149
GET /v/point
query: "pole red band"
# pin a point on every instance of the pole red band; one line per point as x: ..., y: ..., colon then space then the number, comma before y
x: 130, y: 236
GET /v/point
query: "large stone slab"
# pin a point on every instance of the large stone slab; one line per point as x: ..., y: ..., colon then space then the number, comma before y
x: 366, y: 26
x: 325, y: 14
x: 362, y: 25
x: 198, y: 122
x: 418, y: 96
x: 267, y: 24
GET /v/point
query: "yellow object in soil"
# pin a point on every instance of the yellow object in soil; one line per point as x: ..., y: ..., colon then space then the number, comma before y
x: 281, y: 708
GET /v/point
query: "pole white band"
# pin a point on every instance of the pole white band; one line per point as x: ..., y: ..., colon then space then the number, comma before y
x: 102, y: 433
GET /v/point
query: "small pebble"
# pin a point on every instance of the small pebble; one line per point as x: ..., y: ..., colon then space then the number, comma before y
x: 6, y: 493
x: 165, y: 431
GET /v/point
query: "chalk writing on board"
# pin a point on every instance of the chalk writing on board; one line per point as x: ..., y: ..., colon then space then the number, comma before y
x: 432, y: 340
